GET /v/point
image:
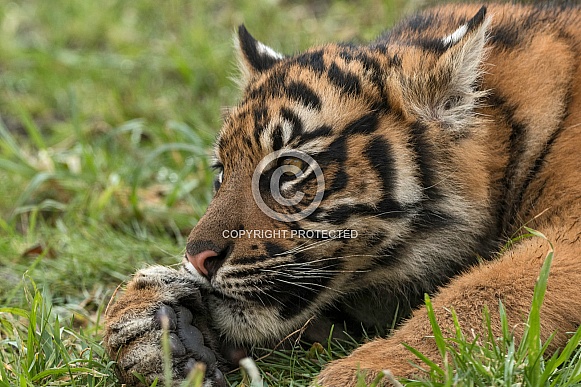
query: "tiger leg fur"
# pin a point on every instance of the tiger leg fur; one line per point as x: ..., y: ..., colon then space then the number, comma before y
x: 511, y: 279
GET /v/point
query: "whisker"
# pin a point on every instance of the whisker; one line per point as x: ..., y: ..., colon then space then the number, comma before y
x: 268, y: 295
x: 306, y: 285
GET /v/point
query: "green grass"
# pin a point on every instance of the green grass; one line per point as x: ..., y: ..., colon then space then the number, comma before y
x: 501, y: 361
x: 108, y: 112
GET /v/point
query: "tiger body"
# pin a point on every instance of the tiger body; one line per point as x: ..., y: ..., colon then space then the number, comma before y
x: 436, y: 142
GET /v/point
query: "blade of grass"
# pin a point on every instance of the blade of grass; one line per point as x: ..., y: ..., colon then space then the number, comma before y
x: 440, y: 342
x: 531, y: 342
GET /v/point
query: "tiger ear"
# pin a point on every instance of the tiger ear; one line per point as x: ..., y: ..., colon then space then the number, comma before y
x: 456, y: 92
x: 254, y: 57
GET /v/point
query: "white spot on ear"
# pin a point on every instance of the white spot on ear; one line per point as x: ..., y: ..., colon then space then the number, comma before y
x: 455, y: 36
x: 246, y: 69
x: 267, y: 51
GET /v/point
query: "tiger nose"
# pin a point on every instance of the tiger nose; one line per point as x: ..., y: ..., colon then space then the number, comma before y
x: 207, y: 262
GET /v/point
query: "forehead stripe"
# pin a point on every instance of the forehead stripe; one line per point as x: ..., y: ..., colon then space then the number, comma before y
x: 303, y: 94
x: 344, y: 80
x: 313, y: 60
x: 366, y: 124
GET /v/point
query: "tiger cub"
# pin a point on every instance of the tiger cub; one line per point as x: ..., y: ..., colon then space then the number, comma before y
x: 353, y: 179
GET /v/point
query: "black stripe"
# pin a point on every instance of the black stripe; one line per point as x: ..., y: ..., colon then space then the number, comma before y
x: 271, y: 87
x: 388, y: 209
x: 366, y: 124
x: 540, y: 161
x: 260, y: 117
x: 506, y: 35
x: 380, y: 156
x: 376, y: 75
x: 424, y: 151
x: 302, y: 93
x: 379, y: 47
x: 321, y: 131
x: 431, y: 220
x: 508, y: 206
x: 336, y: 155
x: 273, y: 249
x: 277, y: 142
x: 434, y: 45
x: 312, y: 60
x: 248, y: 143
x: 347, y: 51
x: 340, y: 214
x: 428, y: 216
x: 336, y: 152
x: 344, y: 80
x: 337, y: 183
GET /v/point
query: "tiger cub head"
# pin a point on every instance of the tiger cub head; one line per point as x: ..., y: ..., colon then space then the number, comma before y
x: 342, y: 168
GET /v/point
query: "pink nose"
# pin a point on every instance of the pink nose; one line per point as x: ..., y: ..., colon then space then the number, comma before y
x: 199, y: 261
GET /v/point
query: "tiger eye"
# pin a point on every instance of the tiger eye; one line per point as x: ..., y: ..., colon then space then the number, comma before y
x: 293, y: 161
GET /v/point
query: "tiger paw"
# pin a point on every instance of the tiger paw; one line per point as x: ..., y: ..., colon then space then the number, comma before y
x: 161, y: 297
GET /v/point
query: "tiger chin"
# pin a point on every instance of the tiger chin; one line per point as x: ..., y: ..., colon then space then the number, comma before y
x: 433, y: 145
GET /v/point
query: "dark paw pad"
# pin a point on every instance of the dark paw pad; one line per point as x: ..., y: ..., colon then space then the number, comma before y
x: 187, y: 343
